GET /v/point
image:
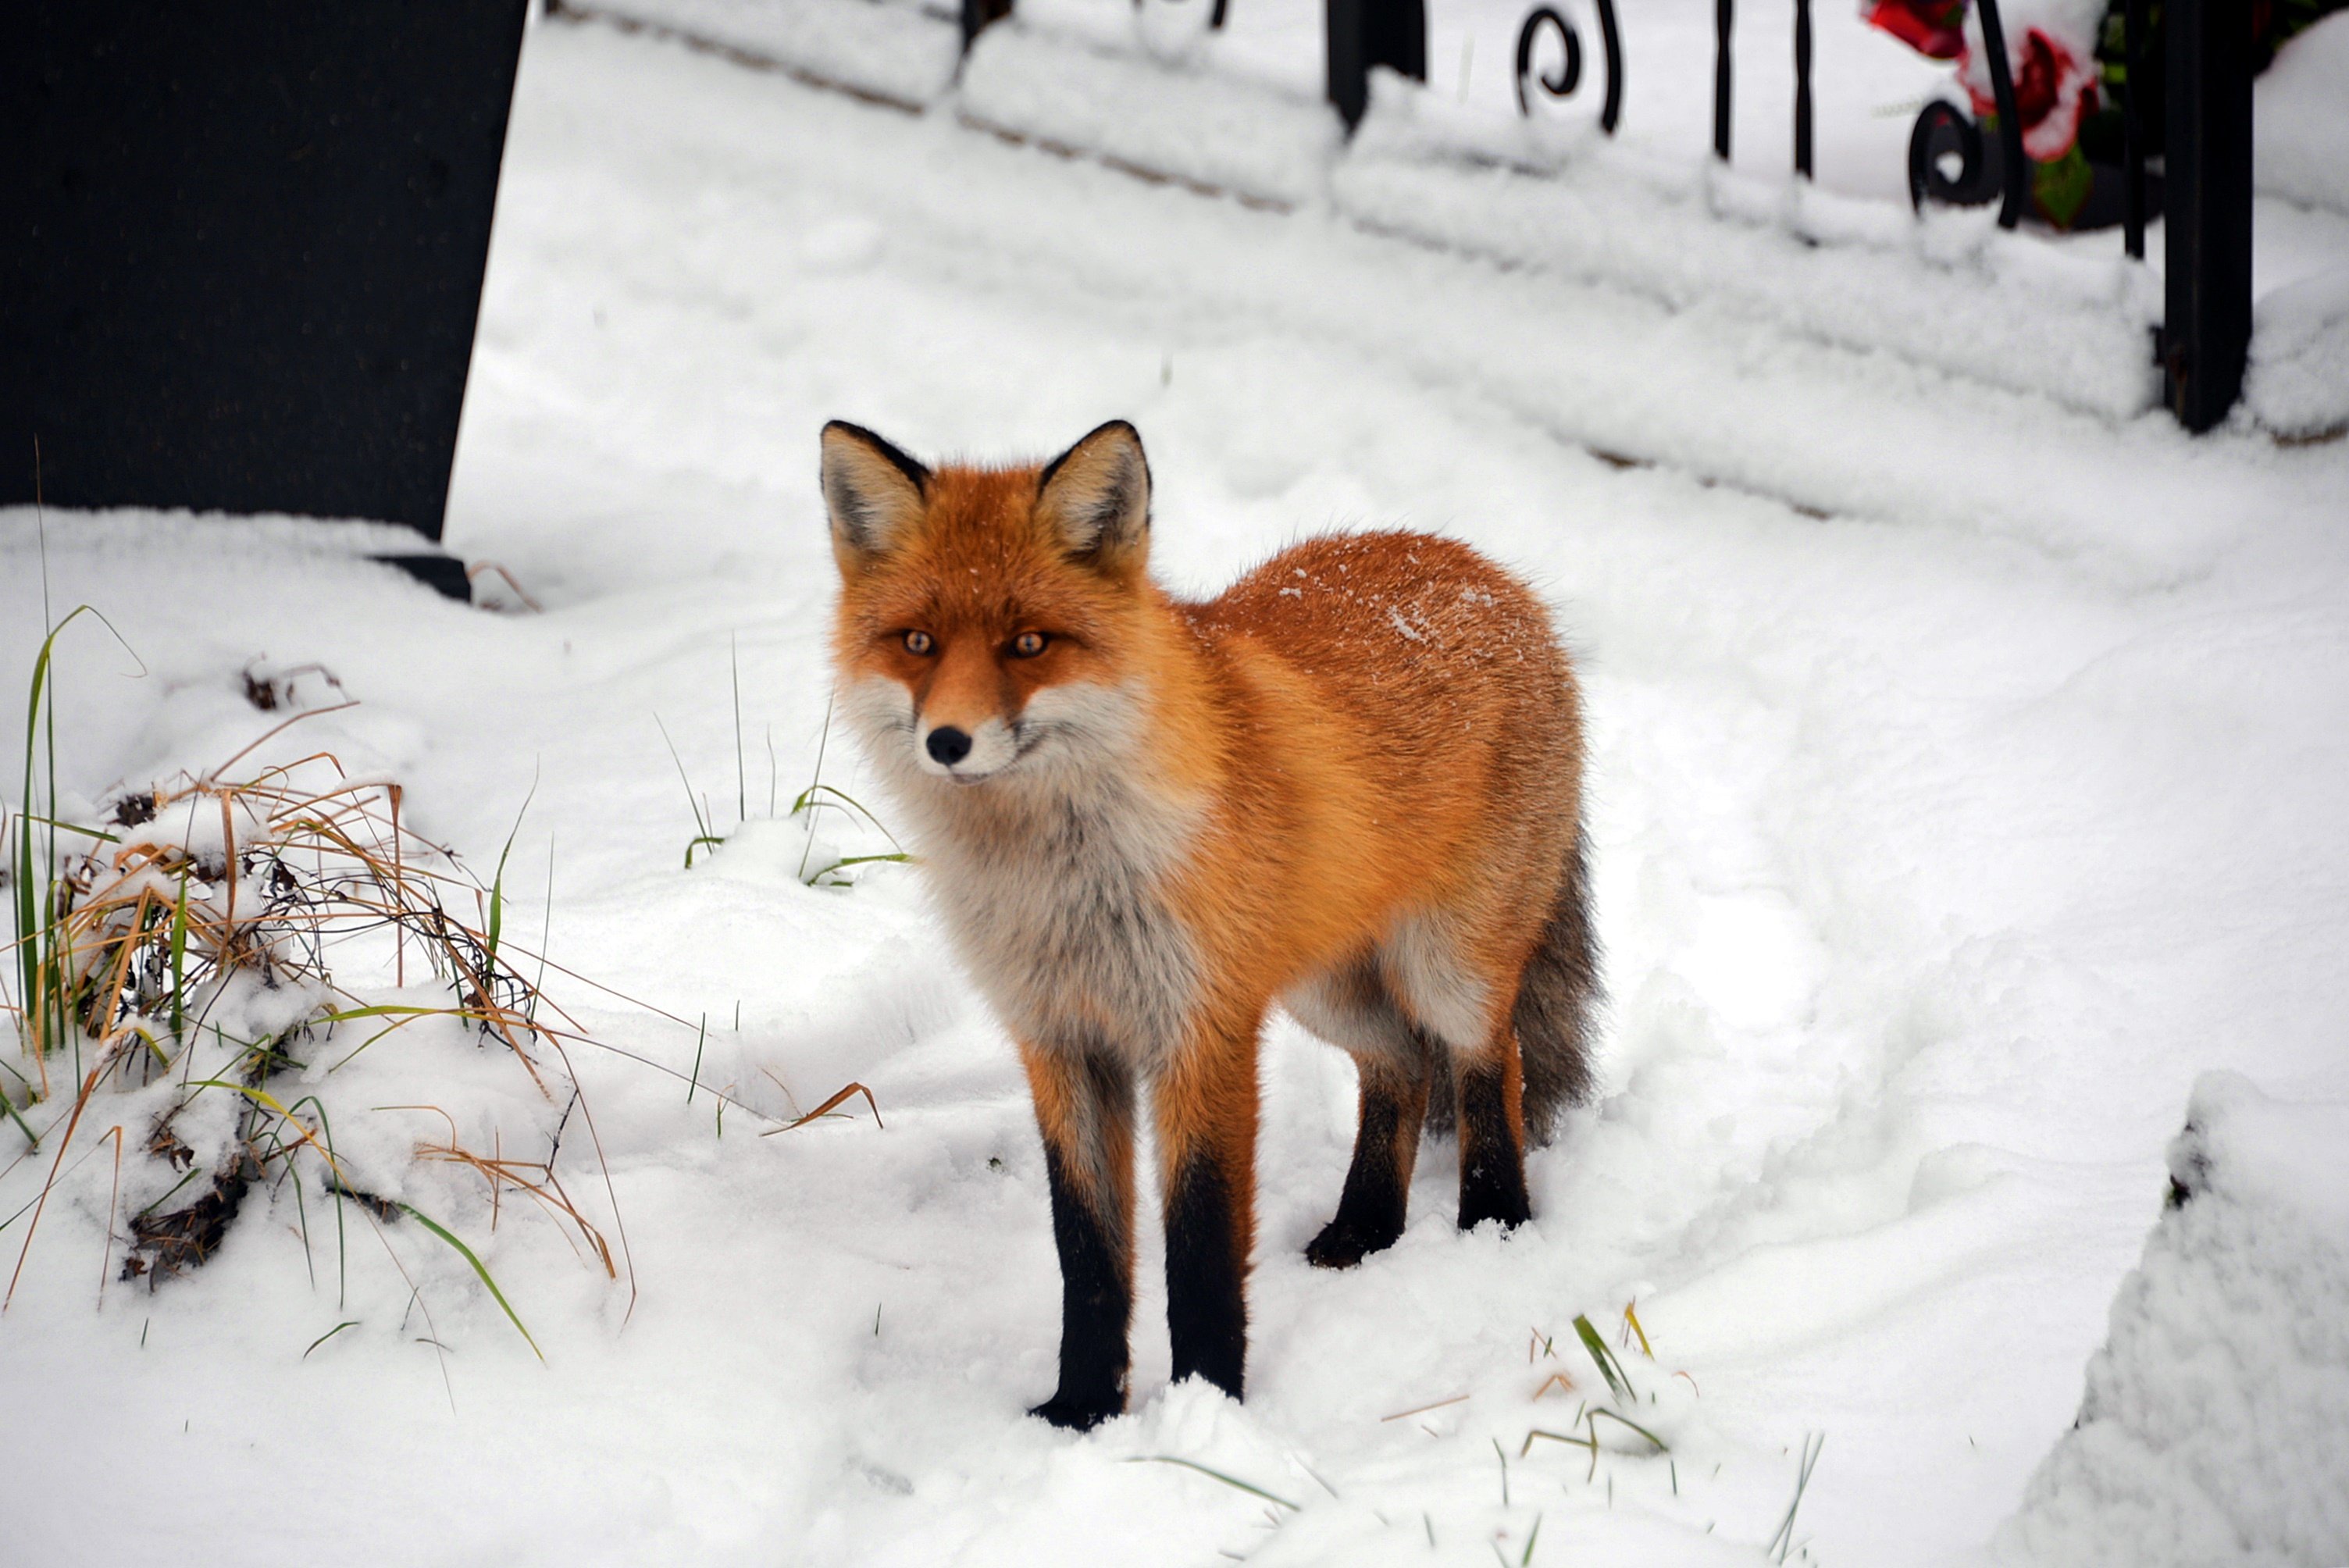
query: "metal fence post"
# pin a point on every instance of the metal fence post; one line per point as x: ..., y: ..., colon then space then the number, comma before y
x: 2206, y: 202
x: 978, y: 15
x: 1802, y: 87
x: 1725, y: 21
x: 1366, y: 33
x: 2133, y: 128
x: 2014, y: 168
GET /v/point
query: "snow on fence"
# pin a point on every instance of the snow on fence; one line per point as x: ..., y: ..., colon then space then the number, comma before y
x: 1954, y: 284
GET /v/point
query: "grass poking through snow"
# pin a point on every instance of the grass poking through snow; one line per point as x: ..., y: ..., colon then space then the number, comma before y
x: 1619, y: 1382
x: 1783, y: 1542
x: 819, y: 865
x: 1249, y: 1486
x: 188, y: 945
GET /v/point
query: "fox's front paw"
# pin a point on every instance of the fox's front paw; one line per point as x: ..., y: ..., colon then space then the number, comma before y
x: 1076, y: 1415
x: 1342, y: 1243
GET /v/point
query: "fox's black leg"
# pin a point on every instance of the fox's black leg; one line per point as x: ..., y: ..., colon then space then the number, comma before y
x: 1084, y: 1108
x: 1096, y: 1308
x: 1206, y: 1117
x: 1206, y: 1306
x: 1378, y: 1184
x: 1492, y: 1139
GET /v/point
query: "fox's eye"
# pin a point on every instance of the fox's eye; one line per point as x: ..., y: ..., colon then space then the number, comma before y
x: 1028, y: 644
x: 918, y: 642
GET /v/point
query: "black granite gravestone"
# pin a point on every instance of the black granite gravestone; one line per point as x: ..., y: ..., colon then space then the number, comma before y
x: 247, y: 250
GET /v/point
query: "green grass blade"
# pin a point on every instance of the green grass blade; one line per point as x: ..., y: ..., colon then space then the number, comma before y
x: 479, y: 1267
x: 816, y: 795
x: 1214, y: 1475
x: 31, y: 1138
x: 45, y: 1008
x: 192, y: 1175
x: 380, y: 1010
x: 1783, y: 1541
x: 741, y: 785
x: 328, y: 1335
x: 96, y: 835
x: 334, y: 1171
x: 179, y: 960
x: 302, y: 1208
x: 700, y: 825
x: 1590, y: 1443
x: 498, y: 882
x: 1618, y: 1382
x: 1661, y: 1447
x: 29, y: 967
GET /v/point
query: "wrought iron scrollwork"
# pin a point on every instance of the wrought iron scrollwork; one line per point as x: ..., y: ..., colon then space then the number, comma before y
x: 1944, y: 128
x: 1568, y: 75
x: 1992, y: 171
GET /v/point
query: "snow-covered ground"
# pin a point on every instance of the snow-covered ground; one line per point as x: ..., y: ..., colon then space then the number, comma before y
x: 1967, y: 779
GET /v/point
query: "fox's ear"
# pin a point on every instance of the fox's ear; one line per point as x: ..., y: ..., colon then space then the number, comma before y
x: 1096, y: 497
x: 874, y: 492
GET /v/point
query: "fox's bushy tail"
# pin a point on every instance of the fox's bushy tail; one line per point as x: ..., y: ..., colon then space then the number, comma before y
x: 1556, y: 999
x: 1556, y: 1003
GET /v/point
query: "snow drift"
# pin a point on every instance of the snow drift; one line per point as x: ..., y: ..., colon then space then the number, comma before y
x: 2213, y: 1426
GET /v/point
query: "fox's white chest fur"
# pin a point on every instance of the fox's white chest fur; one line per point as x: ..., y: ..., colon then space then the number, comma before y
x: 1052, y: 881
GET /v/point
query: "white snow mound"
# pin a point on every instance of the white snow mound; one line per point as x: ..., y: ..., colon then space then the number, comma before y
x: 2300, y: 118
x: 2297, y: 383
x: 2211, y: 1428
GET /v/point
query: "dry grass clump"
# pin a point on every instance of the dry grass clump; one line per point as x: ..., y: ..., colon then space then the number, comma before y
x: 190, y: 940
x: 178, y: 988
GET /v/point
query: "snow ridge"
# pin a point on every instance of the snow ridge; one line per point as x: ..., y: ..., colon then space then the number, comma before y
x: 2211, y: 1428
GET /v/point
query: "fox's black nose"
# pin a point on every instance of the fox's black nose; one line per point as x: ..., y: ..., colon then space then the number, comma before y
x: 947, y: 745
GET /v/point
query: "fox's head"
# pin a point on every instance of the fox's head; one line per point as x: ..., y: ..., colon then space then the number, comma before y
x: 987, y: 615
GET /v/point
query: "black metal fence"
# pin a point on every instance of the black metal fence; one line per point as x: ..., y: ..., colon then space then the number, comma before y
x: 2202, y: 346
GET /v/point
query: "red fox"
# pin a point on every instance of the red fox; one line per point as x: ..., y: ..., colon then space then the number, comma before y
x: 1350, y: 786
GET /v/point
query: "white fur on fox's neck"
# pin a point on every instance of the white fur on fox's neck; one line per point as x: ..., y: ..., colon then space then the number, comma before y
x: 1049, y: 871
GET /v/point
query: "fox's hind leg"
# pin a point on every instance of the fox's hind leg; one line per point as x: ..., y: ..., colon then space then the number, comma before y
x: 1490, y: 1090
x: 1351, y: 1008
x: 1084, y: 1108
x: 1457, y: 992
x: 1377, y: 1195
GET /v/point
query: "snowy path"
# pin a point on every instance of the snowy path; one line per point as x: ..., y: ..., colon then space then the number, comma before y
x: 1942, y: 840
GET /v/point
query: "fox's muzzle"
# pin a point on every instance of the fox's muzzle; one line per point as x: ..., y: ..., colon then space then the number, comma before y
x: 966, y: 755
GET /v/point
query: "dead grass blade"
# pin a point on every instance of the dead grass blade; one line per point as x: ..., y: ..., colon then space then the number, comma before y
x: 828, y: 1106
